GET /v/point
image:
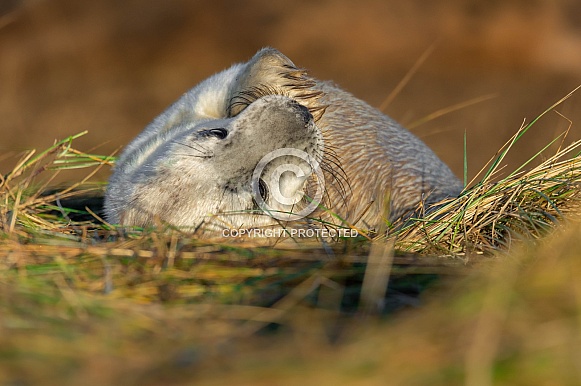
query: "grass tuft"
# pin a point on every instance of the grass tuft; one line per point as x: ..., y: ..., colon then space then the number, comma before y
x: 494, y: 211
x: 489, y: 215
x: 81, y: 302
x: 27, y: 204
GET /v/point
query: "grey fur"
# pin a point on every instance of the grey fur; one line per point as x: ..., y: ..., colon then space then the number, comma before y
x: 175, y: 172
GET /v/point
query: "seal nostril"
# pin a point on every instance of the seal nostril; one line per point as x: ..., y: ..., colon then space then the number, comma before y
x: 262, y: 189
x: 304, y: 113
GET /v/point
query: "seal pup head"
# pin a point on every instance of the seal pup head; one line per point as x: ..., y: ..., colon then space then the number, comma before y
x: 194, y: 163
x: 202, y: 173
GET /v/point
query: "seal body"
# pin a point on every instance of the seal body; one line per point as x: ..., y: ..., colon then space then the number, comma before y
x: 195, y: 164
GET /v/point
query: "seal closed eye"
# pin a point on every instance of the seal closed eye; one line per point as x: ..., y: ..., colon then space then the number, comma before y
x: 193, y: 165
x: 219, y: 133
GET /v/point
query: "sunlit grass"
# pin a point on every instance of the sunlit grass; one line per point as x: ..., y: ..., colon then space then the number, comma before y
x: 493, y: 211
x: 24, y: 201
x: 82, y: 302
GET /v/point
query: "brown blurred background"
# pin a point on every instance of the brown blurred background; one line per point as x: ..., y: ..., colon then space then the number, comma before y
x: 111, y: 66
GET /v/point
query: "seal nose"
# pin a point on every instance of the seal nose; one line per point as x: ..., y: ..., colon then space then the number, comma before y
x: 302, y: 112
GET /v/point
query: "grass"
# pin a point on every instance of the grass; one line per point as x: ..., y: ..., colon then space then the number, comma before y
x: 491, y: 213
x: 514, y: 323
x: 25, y: 204
x: 82, y: 302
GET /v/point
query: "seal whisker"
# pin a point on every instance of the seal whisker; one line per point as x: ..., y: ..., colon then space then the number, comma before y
x: 195, y: 156
x: 206, y: 153
x: 198, y: 147
x: 331, y: 159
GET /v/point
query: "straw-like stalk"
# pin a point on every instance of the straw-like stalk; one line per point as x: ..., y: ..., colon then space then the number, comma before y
x: 26, y: 202
x: 492, y: 212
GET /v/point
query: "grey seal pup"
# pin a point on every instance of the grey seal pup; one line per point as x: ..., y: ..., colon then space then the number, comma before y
x: 194, y: 165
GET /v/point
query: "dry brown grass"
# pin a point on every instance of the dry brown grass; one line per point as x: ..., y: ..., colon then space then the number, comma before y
x: 515, y: 323
x: 493, y: 212
x: 83, y: 302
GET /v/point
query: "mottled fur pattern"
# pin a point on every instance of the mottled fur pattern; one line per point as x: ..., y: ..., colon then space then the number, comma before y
x: 374, y: 169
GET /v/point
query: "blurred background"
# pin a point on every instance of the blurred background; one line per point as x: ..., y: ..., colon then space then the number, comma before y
x: 111, y: 66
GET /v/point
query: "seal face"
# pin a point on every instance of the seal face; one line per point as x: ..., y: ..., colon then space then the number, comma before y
x: 262, y: 141
x: 195, y: 170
